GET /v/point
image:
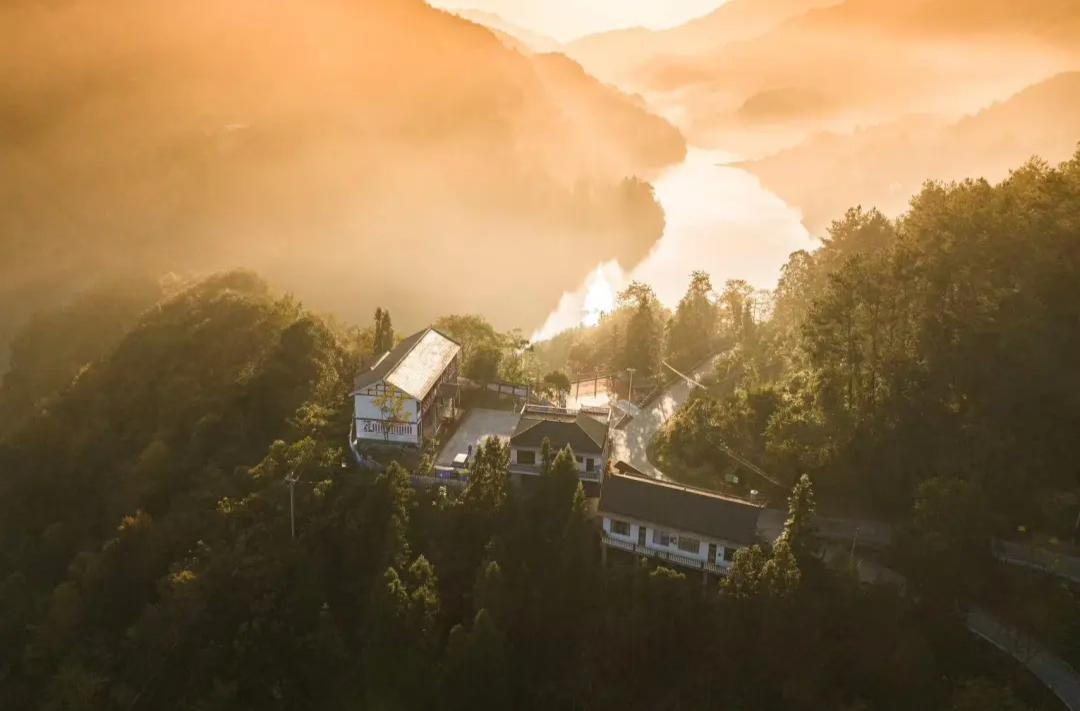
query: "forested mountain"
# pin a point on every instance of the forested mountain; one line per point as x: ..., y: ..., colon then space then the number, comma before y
x: 148, y: 561
x: 870, y: 61
x: 310, y: 140
x: 885, y: 165
x: 52, y: 349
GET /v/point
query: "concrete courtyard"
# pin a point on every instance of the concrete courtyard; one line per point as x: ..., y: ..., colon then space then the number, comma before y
x: 478, y: 423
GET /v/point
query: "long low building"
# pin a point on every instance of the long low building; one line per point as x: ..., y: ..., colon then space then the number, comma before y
x: 421, y: 372
x: 688, y: 527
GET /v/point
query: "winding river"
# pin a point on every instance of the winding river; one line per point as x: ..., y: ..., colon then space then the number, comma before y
x: 719, y: 219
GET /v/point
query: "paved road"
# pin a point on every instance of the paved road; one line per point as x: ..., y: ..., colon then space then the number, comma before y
x: 1053, y: 672
x: 629, y: 444
x: 1057, y: 675
x: 1063, y: 566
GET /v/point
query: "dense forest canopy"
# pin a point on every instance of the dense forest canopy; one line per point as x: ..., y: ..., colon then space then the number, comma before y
x: 153, y: 137
x: 920, y: 366
x: 148, y: 562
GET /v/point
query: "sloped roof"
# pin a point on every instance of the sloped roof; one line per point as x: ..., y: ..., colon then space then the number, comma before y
x: 679, y: 507
x: 414, y: 365
x: 584, y: 434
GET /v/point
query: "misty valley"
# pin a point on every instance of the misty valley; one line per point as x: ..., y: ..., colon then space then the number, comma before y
x: 379, y: 354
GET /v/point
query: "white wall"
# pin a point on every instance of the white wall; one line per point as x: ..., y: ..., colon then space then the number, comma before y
x: 369, y: 421
x: 703, y: 546
x: 598, y: 460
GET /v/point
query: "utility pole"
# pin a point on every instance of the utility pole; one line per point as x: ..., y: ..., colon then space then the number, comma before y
x: 630, y: 390
x: 854, y: 540
x: 291, y: 480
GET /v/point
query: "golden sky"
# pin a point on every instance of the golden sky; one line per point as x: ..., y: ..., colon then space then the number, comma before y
x: 567, y: 19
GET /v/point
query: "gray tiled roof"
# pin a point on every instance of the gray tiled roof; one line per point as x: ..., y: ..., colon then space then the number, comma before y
x: 414, y: 365
x: 680, y: 508
x: 584, y: 434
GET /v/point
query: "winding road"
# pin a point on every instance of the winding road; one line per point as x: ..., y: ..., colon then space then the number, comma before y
x: 630, y: 445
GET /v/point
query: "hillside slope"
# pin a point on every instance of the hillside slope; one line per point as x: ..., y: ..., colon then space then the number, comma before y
x: 874, y: 60
x: 532, y: 40
x: 309, y: 140
x: 885, y: 165
x: 618, y: 54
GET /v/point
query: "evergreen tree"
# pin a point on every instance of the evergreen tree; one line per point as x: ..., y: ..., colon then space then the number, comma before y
x: 644, y: 338
x: 800, y: 531
x: 692, y: 329
x: 547, y: 457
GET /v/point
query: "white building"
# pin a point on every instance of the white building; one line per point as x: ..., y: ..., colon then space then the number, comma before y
x: 422, y: 372
x: 585, y: 431
x: 690, y: 528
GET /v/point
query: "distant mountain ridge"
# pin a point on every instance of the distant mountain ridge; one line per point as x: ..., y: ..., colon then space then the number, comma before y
x: 534, y: 41
x: 884, y: 165
x: 623, y: 54
x: 876, y: 59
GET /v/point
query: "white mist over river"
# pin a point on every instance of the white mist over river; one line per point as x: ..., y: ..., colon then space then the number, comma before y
x: 719, y: 219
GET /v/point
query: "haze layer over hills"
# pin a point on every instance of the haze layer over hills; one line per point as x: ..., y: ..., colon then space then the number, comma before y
x: 345, y: 149
x: 884, y: 165
x: 753, y: 73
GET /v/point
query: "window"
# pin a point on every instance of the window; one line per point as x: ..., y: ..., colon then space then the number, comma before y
x: 689, y: 545
x: 729, y: 553
x: 579, y: 460
x: 620, y: 528
x: 526, y: 456
x: 590, y: 464
x: 661, y: 538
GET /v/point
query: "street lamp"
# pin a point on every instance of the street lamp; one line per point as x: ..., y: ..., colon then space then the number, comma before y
x: 630, y: 389
x: 291, y: 480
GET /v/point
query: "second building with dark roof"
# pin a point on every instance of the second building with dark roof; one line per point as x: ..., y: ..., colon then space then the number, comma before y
x: 585, y: 431
x: 691, y: 528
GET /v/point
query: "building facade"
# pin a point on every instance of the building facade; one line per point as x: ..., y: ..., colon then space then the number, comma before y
x: 420, y: 373
x: 585, y: 431
x: 687, y: 527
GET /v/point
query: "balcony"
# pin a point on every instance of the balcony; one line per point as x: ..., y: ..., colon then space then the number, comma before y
x: 442, y: 478
x: 534, y: 470
x: 668, y: 556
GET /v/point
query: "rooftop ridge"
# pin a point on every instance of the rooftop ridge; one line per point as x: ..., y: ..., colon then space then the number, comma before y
x: 689, y: 489
x: 432, y: 328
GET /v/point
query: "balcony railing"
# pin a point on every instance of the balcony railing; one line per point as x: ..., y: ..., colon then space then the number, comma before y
x: 668, y: 556
x: 421, y: 480
x: 534, y: 469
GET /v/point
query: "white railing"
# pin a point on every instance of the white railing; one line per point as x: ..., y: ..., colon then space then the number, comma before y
x: 566, y: 411
x: 536, y: 469
x: 421, y: 480
x: 675, y: 558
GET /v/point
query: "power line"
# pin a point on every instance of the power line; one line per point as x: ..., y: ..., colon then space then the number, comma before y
x: 726, y: 450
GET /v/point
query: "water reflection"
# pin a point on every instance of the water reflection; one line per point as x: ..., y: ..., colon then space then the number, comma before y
x: 719, y: 219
